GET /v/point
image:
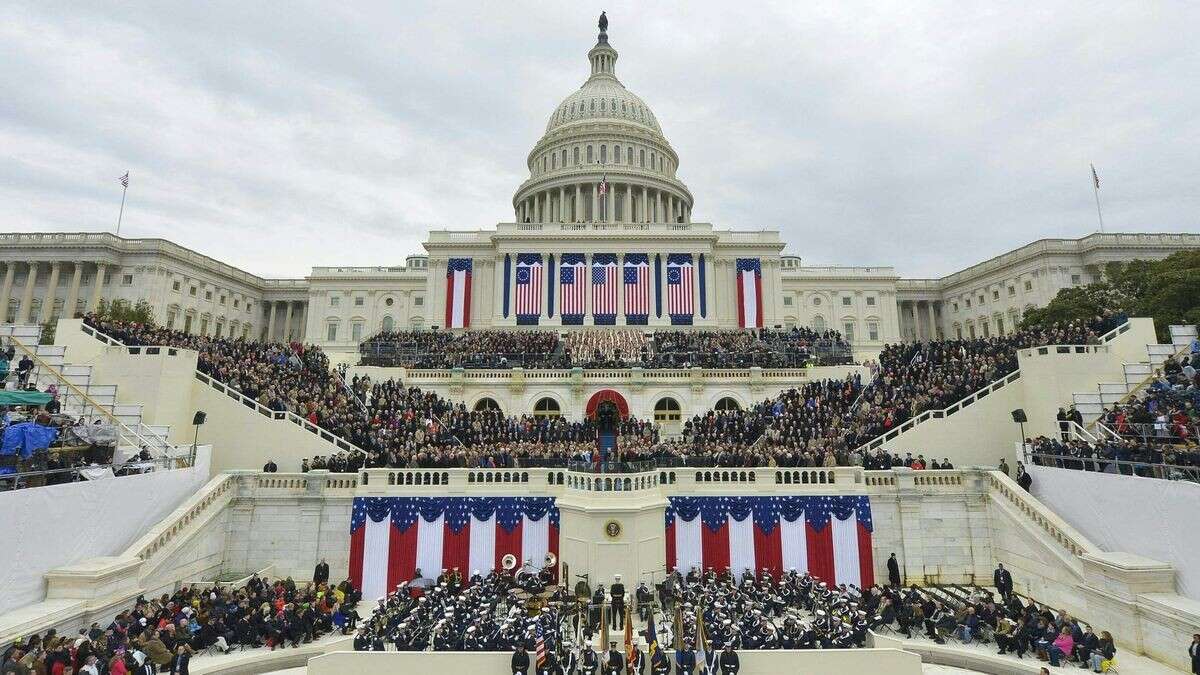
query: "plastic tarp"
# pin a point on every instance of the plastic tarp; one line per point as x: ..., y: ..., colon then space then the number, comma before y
x: 1150, y: 517
x: 56, y: 525
x: 24, y: 397
x: 25, y: 438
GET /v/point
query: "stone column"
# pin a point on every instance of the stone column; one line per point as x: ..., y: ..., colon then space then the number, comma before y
x: 658, y: 207
x: 302, y: 329
x: 97, y: 287
x: 933, y: 320
x: 628, y: 215
x: 610, y: 205
x: 595, y: 205
x: 287, y: 322
x: 645, y: 214
x: 6, y: 290
x: 578, y: 211
x: 271, y: 321
x: 51, y: 291
x: 73, y: 292
x: 27, y: 296
x: 562, y: 204
x: 497, y: 289
x: 670, y: 208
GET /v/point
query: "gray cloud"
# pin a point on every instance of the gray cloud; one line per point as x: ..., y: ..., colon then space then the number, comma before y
x: 926, y: 136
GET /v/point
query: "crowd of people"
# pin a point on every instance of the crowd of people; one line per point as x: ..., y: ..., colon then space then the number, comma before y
x: 163, y: 634
x: 820, y: 424
x: 606, y: 348
x: 1128, y: 456
x: 1168, y: 411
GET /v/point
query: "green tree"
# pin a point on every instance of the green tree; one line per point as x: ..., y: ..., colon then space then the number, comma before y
x: 121, y: 310
x: 1166, y: 290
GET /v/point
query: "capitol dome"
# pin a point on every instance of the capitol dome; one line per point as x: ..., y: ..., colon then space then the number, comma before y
x: 603, y: 157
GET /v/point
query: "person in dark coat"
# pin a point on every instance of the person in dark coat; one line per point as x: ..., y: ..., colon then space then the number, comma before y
x: 520, y: 660
x: 1194, y: 652
x: 614, y: 662
x: 179, y: 662
x: 729, y: 661
x: 321, y: 572
x: 685, y: 660
x: 893, y: 566
x: 270, y: 466
x: 1002, y: 580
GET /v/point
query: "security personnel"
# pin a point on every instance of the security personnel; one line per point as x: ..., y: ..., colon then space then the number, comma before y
x: 617, y: 603
x: 520, y: 660
x: 729, y: 661
x: 614, y: 662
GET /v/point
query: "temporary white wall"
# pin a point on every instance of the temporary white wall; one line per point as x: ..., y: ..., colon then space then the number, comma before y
x: 57, y: 525
x: 1154, y: 518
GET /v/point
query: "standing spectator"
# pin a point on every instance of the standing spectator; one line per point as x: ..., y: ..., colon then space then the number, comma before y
x: 1002, y: 580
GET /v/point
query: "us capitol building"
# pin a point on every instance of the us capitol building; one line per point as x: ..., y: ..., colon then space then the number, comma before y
x: 604, y: 192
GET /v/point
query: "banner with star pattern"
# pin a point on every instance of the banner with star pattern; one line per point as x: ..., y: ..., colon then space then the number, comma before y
x: 827, y: 537
x: 391, y: 538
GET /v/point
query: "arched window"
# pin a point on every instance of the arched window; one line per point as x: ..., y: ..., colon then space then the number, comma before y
x: 553, y: 161
x: 728, y: 404
x: 388, y: 324
x: 563, y: 163
x: 616, y: 154
x: 486, y: 404
x: 629, y: 155
x: 642, y: 158
x: 818, y: 323
x: 589, y: 154
x: 652, y: 156
x: 667, y: 410
x: 576, y: 156
x: 603, y: 154
x: 546, y: 407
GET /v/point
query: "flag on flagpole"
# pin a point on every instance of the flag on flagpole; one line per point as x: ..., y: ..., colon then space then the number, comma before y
x: 702, y: 653
x: 541, y: 647
x: 678, y: 630
x: 1095, y: 177
x: 603, y: 626
x: 628, y: 640
x: 125, y: 180
x: 657, y: 657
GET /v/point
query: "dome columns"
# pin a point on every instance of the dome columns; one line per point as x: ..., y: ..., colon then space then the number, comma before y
x: 623, y: 202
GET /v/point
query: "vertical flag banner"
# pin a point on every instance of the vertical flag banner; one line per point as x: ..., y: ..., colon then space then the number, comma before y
x: 529, y: 288
x: 636, y: 281
x: 680, y: 305
x: 393, y: 537
x: 703, y: 299
x: 827, y: 537
x: 749, y: 292
x: 550, y: 289
x: 572, y: 280
x: 458, y: 293
x: 507, y: 278
x: 658, y: 285
x: 604, y: 289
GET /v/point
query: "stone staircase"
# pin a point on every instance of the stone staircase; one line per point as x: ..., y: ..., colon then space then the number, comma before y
x: 1091, y: 404
x: 79, y: 395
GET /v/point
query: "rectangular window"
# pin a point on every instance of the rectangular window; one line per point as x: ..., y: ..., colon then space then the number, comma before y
x: 787, y: 300
x: 870, y: 301
x: 848, y: 331
x: 356, y: 331
x: 846, y: 300
x: 171, y: 321
x: 358, y: 301
x: 1074, y: 279
x: 999, y: 325
x: 175, y: 286
x: 126, y: 279
x: 1028, y: 285
x: 221, y: 300
x: 954, y: 306
x: 187, y: 324
x: 331, y: 333
x: 967, y: 302
x: 981, y: 299
x: 192, y: 291
x: 236, y: 303
x: 873, y: 331
x: 334, y: 301
x: 1012, y: 290
x: 208, y: 295
x: 995, y: 295
x: 418, y: 300
x: 204, y: 326
x: 958, y: 332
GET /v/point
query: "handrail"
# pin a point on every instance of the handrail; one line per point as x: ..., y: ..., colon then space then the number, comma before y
x: 1042, y: 516
x: 55, y: 374
x: 1139, y: 386
x: 290, y: 416
x: 1160, y: 469
x: 941, y: 413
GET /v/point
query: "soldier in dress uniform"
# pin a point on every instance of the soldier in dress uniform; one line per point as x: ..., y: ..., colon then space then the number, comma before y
x: 617, y: 603
x: 590, y: 661
x: 729, y: 661
x: 614, y: 661
x: 520, y: 660
x: 685, y: 659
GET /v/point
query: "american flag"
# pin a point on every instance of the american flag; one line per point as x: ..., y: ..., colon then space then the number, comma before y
x: 573, y: 285
x: 679, y: 288
x: 125, y: 180
x: 637, y: 288
x: 541, y: 647
x: 1095, y: 177
x: 604, y: 288
x: 529, y: 288
x: 604, y: 185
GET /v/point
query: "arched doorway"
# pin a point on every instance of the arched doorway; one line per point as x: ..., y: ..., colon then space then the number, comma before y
x: 485, y: 404
x: 610, y: 396
x: 546, y: 407
x: 727, y: 404
x: 668, y: 415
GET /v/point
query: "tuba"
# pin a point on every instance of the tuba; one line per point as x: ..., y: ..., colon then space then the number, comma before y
x: 551, y: 559
x: 508, y: 562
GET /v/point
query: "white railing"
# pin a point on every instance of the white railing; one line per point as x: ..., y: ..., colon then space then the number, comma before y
x: 303, y: 423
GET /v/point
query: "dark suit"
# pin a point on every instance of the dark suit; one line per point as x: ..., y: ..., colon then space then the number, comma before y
x: 520, y: 662
x: 1003, y: 582
x: 893, y: 568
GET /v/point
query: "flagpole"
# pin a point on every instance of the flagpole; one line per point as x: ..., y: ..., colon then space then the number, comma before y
x: 1096, y: 190
x: 120, y: 214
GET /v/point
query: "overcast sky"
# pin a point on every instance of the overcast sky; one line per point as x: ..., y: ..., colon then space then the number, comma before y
x: 278, y: 136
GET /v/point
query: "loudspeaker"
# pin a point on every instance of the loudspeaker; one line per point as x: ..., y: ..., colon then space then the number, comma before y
x: 199, y: 418
x: 1019, y: 416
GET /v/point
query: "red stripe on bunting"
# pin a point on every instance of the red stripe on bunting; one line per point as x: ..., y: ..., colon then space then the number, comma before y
x: 508, y: 542
x: 466, y: 320
x: 714, y: 547
x: 758, y: 315
x: 456, y: 550
x: 866, y: 561
x: 741, y: 301
x: 768, y: 551
x: 820, y: 552
x: 671, y: 546
x: 402, y: 556
x: 356, y: 555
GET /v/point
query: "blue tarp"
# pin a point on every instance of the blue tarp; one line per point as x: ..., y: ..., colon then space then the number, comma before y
x: 27, y: 437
